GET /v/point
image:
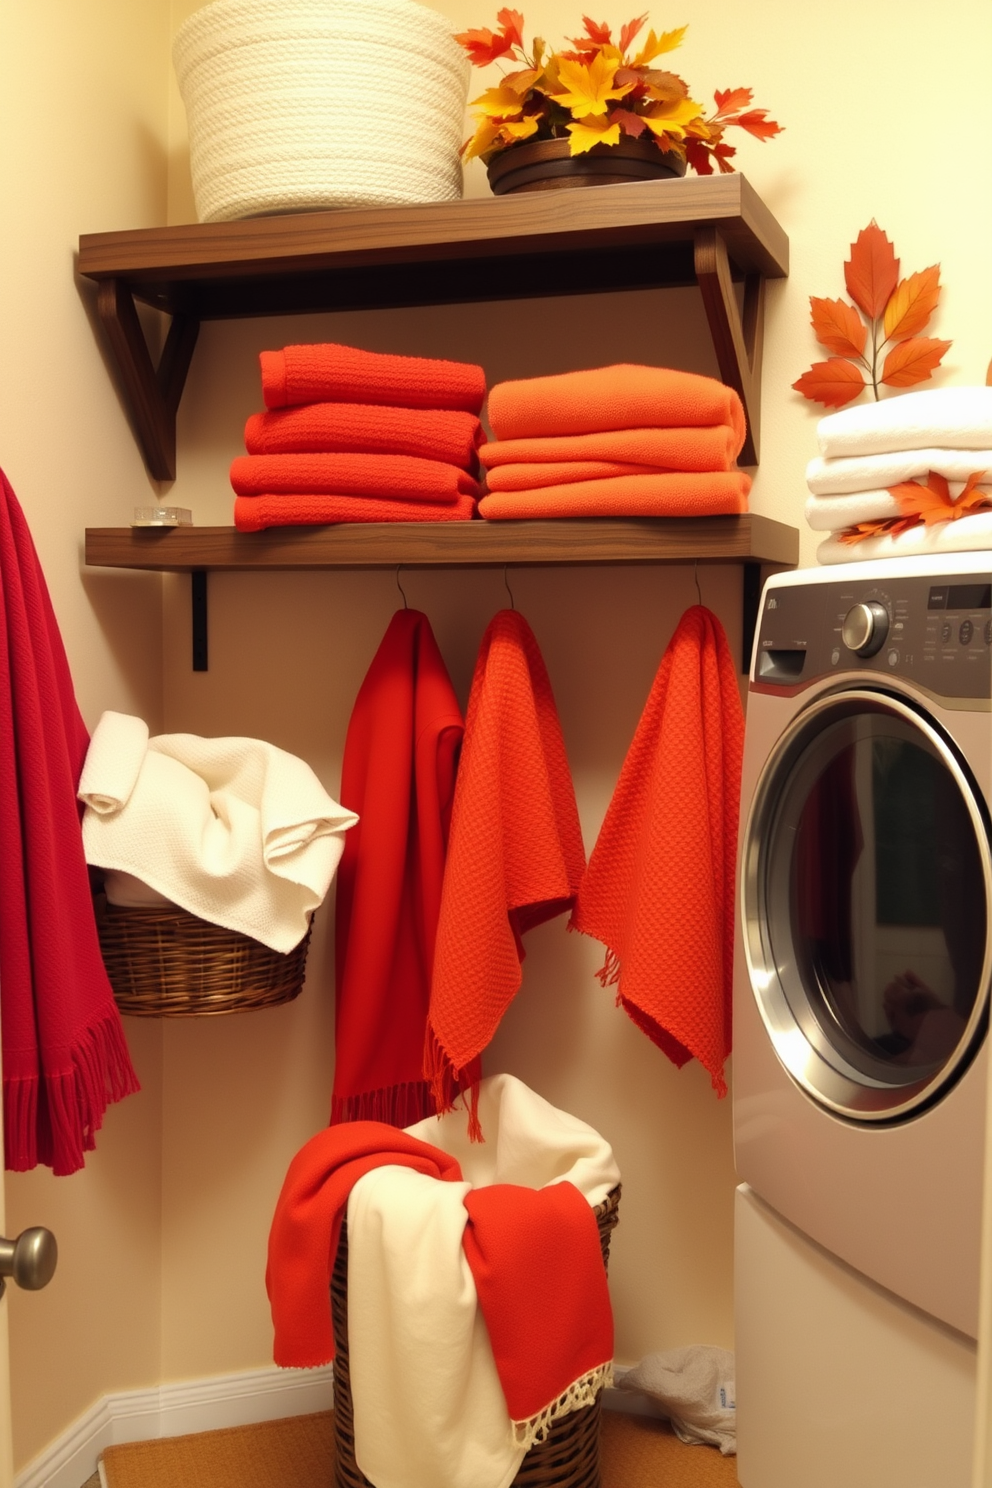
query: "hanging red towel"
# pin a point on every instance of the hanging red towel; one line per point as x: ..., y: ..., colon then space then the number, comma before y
x: 515, y: 856
x: 398, y: 774
x: 659, y: 889
x: 253, y: 513
x: 430, y: 433
x: 64, y: 1054
x: 345, y: 374
x: 382, y: 477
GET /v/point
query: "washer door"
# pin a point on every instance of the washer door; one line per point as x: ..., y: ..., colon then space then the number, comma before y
x: 866, y: 892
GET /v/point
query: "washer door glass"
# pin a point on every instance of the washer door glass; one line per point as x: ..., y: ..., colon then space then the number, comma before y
x: 866, y: 905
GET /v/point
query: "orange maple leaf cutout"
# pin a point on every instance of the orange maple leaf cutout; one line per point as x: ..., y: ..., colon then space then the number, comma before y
x: 838, y: 326
x: 484, y: 46
x: 912, y: 361
x: 933, y: 502
x: 872, y: 271
x: 833, y: 382
x: 912, y: 304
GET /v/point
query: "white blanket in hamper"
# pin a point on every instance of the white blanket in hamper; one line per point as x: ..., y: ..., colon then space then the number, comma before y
x: 952, y: 418
x: 233, y: 830
x: 849, y: 473
x: 429, y: 1410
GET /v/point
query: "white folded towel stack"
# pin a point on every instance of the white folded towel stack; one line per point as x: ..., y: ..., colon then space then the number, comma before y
x: 867, y: 450
x: 233, y: 830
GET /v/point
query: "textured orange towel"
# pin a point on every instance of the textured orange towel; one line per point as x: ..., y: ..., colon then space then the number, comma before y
x: 343, y: 374
x: 515, y: 854
x: 659, y: 889
x: 713, y: 447
x: 621, y: 397
x: 431, y: 433
x: 528, y: 477
x: 252, y: 513
x: 677, y: 493
x: 386, y: 477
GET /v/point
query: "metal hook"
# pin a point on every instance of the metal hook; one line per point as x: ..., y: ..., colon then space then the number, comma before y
x: 695, y: 579
x: 506, y: 585
x: 400, y: 586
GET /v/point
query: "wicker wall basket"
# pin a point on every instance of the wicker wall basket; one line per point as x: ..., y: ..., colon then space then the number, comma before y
x: 299, y: 105
x: 166, y: 963
x: 568, y: 1458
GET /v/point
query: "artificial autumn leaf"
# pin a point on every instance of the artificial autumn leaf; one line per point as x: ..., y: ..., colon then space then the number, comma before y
x: 913, y: 361
x: 912, y: 304
x: 890, y: 526
x: 666, y: 87
x: 486, y: 134
x: 756, y: 122
x: 594, y: 130
x: 933, y: 502
x: 833, y: 382
x: 484, y: 46
x: 672, y: 118
x: 597, y: 31
x: 655, y: 45
x: 872, y: 270
x: 589, y: 89
x: 631, y: 124
x: 522, y: 81
x: 630, y: 30
x: 511, y: 23
x: 732, y: 100
x: 499, y: 103
x: 838, y: 326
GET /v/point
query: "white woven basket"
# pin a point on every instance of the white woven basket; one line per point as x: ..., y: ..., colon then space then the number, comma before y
x: 298, y: 105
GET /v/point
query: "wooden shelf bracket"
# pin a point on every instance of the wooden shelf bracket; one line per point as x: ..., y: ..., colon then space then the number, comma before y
x: 152, y: 394
x: 737, y: 336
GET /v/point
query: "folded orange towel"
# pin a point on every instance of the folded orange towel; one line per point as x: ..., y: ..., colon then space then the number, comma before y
x: 252, y: 513
x: 345, y: 374
x: 515, y: 854
x: 431, y: 433
x: 386, y: 477
x: 620, y: 397
x: 529, y: 477
x: 659, y: 889
x: 677, y: 493
x: 712, y: 447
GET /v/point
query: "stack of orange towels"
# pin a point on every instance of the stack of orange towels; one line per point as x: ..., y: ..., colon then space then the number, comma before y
x: 622, y: 441
x: 360, y: 436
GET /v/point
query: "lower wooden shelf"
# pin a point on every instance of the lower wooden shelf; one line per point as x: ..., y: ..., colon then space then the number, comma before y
x: 750, y: 539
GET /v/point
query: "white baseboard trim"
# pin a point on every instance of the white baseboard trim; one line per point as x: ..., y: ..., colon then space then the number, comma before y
x: 175, y: 1410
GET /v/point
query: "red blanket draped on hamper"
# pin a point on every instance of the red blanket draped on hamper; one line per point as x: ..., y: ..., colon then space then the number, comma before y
x: 64, y: 1054
x: 515, y: 857
x: 399, y: 776
x: 659, y: 889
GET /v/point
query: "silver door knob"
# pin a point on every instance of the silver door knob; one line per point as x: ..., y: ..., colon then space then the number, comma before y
x: 30, y: 1259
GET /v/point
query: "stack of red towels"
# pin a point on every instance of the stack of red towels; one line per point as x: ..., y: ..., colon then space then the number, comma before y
x: 360, y: 436
x: 622, y: 441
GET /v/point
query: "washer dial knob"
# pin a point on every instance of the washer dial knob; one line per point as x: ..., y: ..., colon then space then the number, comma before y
x: 865, y: 628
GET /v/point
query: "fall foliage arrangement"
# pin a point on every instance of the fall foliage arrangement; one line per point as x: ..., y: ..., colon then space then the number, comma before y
x: 887, y: 312
x: 599, y: 91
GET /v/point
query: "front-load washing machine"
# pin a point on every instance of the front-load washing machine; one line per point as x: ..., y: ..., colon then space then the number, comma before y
x: 861, y: 1006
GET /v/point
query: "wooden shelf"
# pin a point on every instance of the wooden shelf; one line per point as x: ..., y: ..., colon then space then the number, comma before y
x: 697, y: 230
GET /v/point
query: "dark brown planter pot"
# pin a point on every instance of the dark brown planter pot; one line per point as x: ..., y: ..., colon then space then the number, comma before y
x: 545, y: 165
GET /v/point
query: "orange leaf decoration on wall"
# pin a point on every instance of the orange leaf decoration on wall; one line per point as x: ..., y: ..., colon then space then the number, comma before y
x: 912, y: 361
x: 912, y: 304
x: 838, y: 327
x: 833, y: 383
x: 872, y: 271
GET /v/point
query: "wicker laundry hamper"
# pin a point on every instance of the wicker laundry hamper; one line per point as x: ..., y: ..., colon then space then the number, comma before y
x: 568, y: 1458
x: 166, y: 963
x: 300, y: 105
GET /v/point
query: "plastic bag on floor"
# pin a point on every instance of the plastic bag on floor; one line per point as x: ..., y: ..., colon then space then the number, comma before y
x: 695, y: 1388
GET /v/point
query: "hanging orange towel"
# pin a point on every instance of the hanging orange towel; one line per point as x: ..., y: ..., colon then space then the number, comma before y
x: 344, y: 374
x: 659, y: 889
x: 515, y: 854
x: 677, y: 493
x: 430, y: 433
x: 621, y: 397
x: 712, y: 447
x: 252, y: 513
x: 385, y: 477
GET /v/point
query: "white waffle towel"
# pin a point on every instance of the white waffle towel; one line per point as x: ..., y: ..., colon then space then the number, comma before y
x: 952, y: 418
x: 874, y: 472
x: 834, y: 513
x: 233, y: 830
x: 965, y: 534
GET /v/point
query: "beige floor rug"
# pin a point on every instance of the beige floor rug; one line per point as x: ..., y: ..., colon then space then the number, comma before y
x: 637, y: 1452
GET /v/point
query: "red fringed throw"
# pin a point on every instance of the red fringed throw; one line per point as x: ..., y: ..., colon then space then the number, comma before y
x: 64, y: 1054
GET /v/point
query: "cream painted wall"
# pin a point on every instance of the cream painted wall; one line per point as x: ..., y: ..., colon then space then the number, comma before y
x: 83, y: 120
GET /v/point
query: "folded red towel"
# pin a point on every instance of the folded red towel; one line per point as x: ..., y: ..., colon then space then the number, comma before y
x: 713, y: 447
x: 677, y: 493
x: 621, y: 397
x: 386, y: 477
x: 431, y: 433
x: 529, y: 477
x: 659, y: 889
x: 345, y: 374
x: 515, y: 853
x: 252, y: 513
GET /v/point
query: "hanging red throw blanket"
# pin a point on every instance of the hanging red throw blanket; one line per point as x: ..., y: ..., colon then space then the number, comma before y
x: 65, y: 1058
x: 659, y: 889
x: 399, y: 776
x: 515, y: 856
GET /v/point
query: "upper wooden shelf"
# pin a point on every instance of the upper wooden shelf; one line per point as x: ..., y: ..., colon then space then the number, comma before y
x: 646, y: 234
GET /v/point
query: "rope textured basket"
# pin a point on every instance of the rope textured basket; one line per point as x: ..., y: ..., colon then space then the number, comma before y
x: 567, y: 1458
x: 166, y: 963
x: 300, y: 105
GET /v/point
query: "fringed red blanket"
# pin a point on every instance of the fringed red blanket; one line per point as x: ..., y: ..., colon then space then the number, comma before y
x: 515, y: 857
x: 64, y: 1054
x: 659, y: 889
x: 398, y: 774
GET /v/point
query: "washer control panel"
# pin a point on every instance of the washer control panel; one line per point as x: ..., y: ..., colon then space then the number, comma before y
x: 934, y: 632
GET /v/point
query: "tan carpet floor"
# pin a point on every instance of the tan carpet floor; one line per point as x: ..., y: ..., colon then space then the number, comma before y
x: 298, y: 1452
